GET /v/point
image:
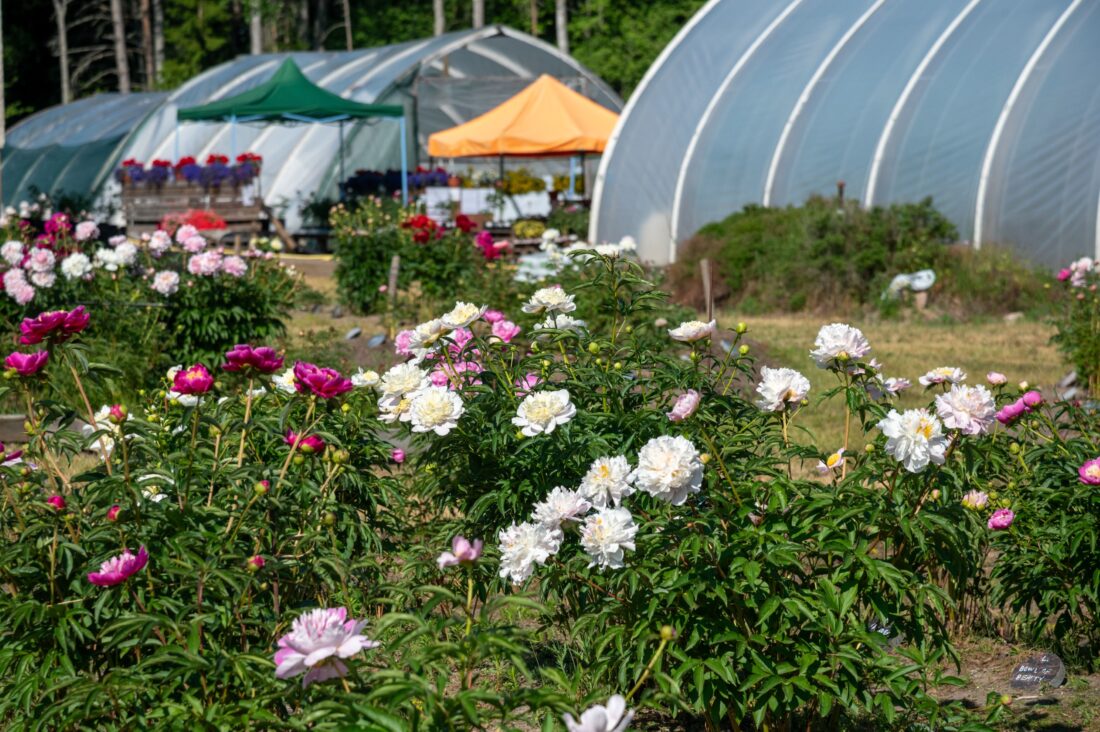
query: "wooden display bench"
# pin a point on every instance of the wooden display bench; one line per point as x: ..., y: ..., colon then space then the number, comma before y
x: 146, y: 206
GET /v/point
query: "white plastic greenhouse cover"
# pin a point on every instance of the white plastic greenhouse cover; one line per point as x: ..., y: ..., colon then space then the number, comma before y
x: 989, y: 106
x: 449, y: 79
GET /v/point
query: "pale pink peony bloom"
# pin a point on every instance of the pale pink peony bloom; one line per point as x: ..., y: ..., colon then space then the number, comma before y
x: 1001, y: 519
x: 194, y: 244
x: 205, y: 264
x: 317, y: 643
x: 685, y: 406
x: 996, y: 378
x: 86, y: 230
x: 41, y: 260
x: 159, y: 243
x: 492, y: 316
x: 968, y: 409
x: 234, y: 266
x: 403, y: 343
x: 185, y: 232
x: 463, y: 551
x: 525, y: 384
x: 166, y: 282
x: 506, y: 330
x: 117, y: 570
x: 975, y: 500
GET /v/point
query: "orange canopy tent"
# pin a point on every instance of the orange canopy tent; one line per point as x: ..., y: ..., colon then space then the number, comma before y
x: 547, y: 118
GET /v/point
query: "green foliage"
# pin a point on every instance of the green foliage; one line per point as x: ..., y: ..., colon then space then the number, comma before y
x: 1078, y: 322
x: 568, y: 220
x: 821, y: 256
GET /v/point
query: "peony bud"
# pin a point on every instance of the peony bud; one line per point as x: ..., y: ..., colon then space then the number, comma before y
x: 345, y: 407
x: 668, y: 633
x: 593, y: 347
x: 742, y: 328
x: 261, y: 487
x: 744, y: 349
x: 255, y: 563
x: 935, y: 494
x: 112, y: 512
x: 57, y: 502
x: 330, y: 518
x: 398, y: 455
x: 117, y: 413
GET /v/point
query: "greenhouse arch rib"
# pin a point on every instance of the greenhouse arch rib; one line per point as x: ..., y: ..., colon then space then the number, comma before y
x: 605, y: 159
x: 804, y: 97
x: 903, y: 99
x: 681, y: 177
x: 1006, y: 110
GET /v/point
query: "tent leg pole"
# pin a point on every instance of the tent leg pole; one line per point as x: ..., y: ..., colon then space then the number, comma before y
x: 232, y: 138
x: 572, y: 176
x: 340, y: 183
x: 404, y: 164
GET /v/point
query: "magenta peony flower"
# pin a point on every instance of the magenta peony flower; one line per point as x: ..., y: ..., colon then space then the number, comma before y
x: 1032, y: 399
x: 57, y: 502
x: 195, y: 380
x: 1001, y: 519
x: 316, y: 644
x: 262, y: 360
x: 1089, y: 472
x: 506, y: 330
x: 57, y: 326
x: 1009, y: 413
x: 463, y: 551
x: 117, y: 570
x: 27, y: 364
x: 492, y: 316
x: 526, y: 384
x: 112, y: 512
x: 323, y: 382
x: 685, y: 406
x: 1064, y: 274
x: 398, y: 455
x: 996, y: 378
x: 309, y: 445
x: 255, y: 563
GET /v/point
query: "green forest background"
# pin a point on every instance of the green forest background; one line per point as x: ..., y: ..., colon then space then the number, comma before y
x: 618, y: 39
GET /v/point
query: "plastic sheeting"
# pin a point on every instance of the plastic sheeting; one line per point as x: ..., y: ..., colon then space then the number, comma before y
x: 776, y: 101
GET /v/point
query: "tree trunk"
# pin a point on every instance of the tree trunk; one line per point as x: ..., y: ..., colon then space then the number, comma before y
x: 118, y: 26
x: 347, y: 24
x: 561, y: 24
x: 479, y: 13
x: 256, y: 29
x: 440, y: 21
x: 320, y: 25
x: 534, y: 17
x: 158, y: 39
x: 147, y: 44
x: 60, y: 9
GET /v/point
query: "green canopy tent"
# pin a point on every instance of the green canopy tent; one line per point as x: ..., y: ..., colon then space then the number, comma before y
x: 289, y: 97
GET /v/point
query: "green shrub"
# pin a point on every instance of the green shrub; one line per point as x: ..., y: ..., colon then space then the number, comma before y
x: 826, y: 257
x: 1078, y: 322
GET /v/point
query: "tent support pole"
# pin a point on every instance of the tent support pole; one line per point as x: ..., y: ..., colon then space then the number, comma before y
x: 232, y: 138
x: 340, y: 183
x: 404, y: 163
x: 572, y: 177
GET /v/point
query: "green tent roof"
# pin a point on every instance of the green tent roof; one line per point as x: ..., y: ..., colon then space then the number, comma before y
x: 287, y: 96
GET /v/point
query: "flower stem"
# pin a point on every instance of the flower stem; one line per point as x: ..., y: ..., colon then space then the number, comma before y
x: 648, y: 669
x: 91, y: 414
x: 469, y: 604
x: 247, y: 416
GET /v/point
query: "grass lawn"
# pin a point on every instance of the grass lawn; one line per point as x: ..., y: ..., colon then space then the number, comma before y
x: 1020, y: 350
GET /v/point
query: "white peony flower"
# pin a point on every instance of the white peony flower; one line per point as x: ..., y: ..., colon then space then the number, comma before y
x: 186, y: 400
x: 43, y: 279
x: 523, y: 546
x: 12, y: 252
x: 434, y: 409
x: 284, y: 382
x: 462, y: 314
x: 693, y: 330
x: 368, y: 379
x: 402, y: 379
x: 543, y: 411
x: 561, y: 505
x: 561, y: 322
x: 968, y: 409
x: 550, y: 299
x: 833, y: 462
x: 607, y: 481
x: 108, y: 259
x: 943, y: 375
x: 159, y: 242
x: 838, y: 343
x: 914, y: 438
x: 879, y: 388
x: 76, y: 266
x: 126, y: 252
x: 392, y: 409
x: 598, y: 718
x: 425, y: 337
x: 101, y: 421
x: 669, y: 468
x: 781, y: 387
x: 606, y: 534
x: 166, y: 282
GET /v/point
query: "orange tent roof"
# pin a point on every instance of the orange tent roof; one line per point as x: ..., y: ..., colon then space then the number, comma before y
x: 546, y: 118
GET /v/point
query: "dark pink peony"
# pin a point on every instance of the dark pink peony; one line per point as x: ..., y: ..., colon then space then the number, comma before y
x: 27, y: 364
x: 309, y: 445
x: 1001, y: 519
x: 195, y: 380
x: 262, y: 360
x: 57, y: 502
x: 112, y: 512
x: 56, y: 325
x: 117, y: 570
x: 323, y: 382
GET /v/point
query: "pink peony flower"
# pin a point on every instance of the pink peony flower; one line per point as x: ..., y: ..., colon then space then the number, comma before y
x: 506, y: 330
x: 402, y: 343
x: 439, y: 378
x: 27, y: 364
x: 255, y: 563
x: 1032, y: 399
x: 398, y: 455
x: 492, y: 316
x: 57, y: 502
x: 317, y: 643
x: 185, y: 232
x: 41, y: 260
x: 461, y: 338
x: 996, y: 378
x: 685, y: 406
x: 117, y: 570
x: 262, y: 360
x: 195, y: 380
x: 112, y: 512
x: 1089, y: 472
x: 309, y: 445
x: 159, y: 243
x: 205, y: 264
x: 1064, y: 274
x: 462, y: 551
x: 525, y: 384
x: 234, y: 266
x: 1009, y: 413
x: 1001, y: 519
x: 166, y: 282
x: 86, y: 230
x: 323, y: 382
x: 56, y: 325
x: 194, y: 244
